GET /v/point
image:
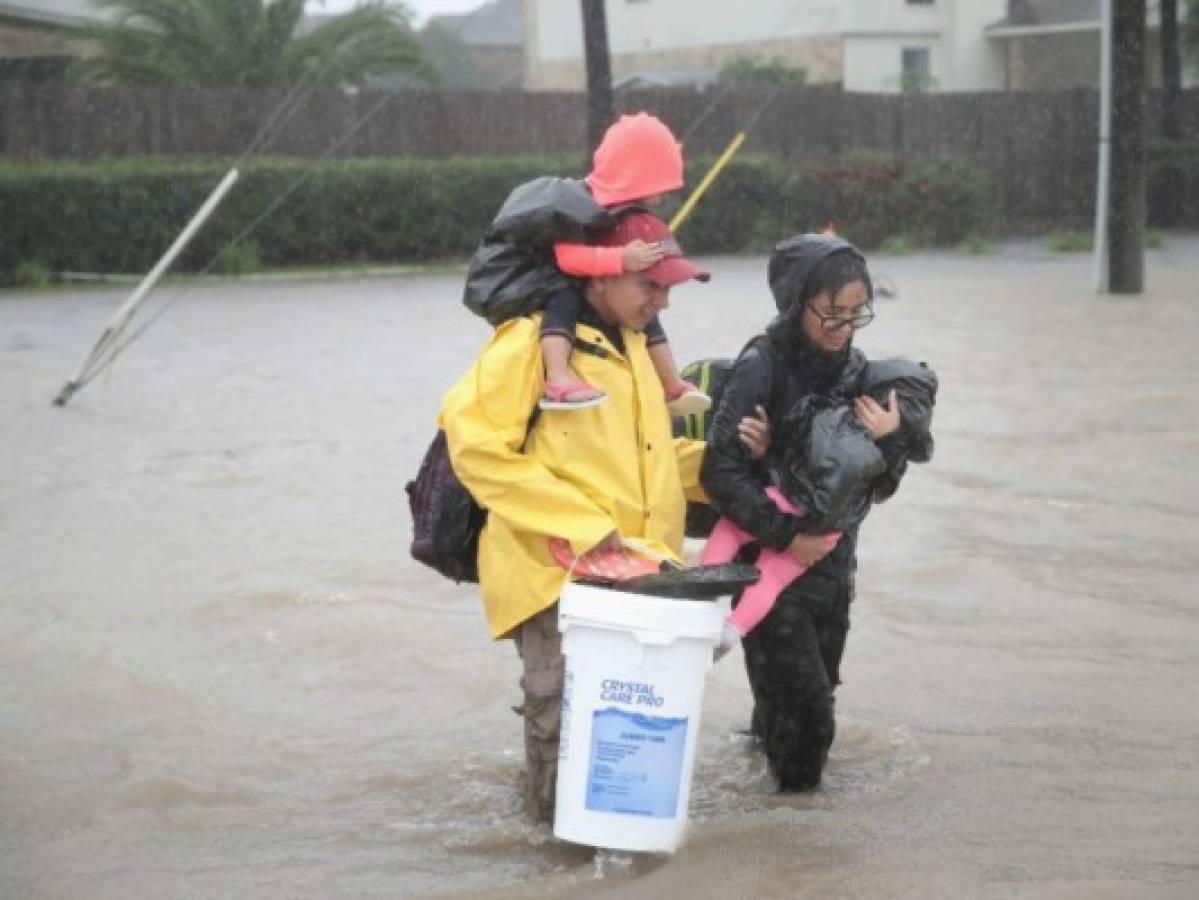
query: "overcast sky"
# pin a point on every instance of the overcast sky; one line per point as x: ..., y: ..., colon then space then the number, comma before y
x: 422, y: 8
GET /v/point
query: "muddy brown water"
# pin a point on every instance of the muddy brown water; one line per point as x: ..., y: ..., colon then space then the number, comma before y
x: 220, y: 675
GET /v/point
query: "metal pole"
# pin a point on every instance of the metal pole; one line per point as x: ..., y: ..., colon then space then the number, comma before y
x: 122, y: 316
x: 1105, y: 146
x: 601, y: 109
x: 702, y: 187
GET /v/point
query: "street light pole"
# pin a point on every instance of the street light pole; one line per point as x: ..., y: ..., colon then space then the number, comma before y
x: 1105, y: 145
x: 600, y: 107
x: 1126, y: 197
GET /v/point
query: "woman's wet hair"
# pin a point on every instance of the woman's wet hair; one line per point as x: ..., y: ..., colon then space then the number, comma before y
x: 833, y: 273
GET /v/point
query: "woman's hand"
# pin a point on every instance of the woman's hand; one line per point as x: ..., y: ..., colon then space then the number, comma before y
x: 755, y: 433
x: 879, y: 421
x: 809, y: 549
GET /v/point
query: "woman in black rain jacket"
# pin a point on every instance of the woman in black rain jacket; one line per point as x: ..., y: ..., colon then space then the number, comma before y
x: 824, y: 294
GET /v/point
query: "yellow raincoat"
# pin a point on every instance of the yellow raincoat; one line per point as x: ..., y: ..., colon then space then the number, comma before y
x: 583, y: 474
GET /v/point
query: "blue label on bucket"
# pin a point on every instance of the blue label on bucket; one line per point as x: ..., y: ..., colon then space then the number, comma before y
x: 636, y: 761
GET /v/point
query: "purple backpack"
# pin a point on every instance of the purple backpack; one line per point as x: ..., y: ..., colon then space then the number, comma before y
x: 446, y: 520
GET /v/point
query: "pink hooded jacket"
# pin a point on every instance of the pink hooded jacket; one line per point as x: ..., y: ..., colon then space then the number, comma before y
x: 638, y: 158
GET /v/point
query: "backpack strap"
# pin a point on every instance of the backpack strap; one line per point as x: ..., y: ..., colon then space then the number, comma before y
x: 773, y: 389
x: 533, y: 417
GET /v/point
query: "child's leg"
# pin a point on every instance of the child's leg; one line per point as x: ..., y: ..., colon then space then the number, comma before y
x: 779, y: 568
x: 724, y: 542
x: 684, y: 398
x: 555, y: 353
x: 557, y: 342
x: 728, y: 537
x: 662, y: 356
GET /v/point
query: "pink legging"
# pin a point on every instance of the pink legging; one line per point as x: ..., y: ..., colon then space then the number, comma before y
x: 778, y: 567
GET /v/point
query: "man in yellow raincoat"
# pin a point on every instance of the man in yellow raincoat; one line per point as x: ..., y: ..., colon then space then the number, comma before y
x: 589, y: 477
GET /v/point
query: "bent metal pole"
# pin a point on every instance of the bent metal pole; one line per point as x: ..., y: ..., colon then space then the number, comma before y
x: 122, y: 316
x: 703, y: 186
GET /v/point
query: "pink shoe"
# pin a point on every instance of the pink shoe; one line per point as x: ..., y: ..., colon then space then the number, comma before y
x: 558, y: 396
x: 685, y: 399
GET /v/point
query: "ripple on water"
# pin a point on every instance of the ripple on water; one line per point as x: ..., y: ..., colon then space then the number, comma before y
x: 165, y: 793
x: 469, y: 816
x: 472, y: 807
x: 732, y: 778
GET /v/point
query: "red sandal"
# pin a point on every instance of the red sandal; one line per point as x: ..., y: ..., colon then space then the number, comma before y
x: 556, y: 396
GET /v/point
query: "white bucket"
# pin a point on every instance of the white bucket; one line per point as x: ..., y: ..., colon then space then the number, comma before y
x: 631, y: 704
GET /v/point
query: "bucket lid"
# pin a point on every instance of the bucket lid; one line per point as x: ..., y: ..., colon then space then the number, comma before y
x: 614, y: 608
x: 694, y: 583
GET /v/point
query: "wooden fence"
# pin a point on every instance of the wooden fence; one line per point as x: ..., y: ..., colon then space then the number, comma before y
x: 1039, y: 147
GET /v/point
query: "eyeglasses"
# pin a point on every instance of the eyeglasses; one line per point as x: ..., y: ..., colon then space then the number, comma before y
x: 860, y: 319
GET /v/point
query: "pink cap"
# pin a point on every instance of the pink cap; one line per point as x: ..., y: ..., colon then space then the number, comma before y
x: 671, y: 269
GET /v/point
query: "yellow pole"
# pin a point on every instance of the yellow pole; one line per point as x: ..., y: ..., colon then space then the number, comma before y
x: 716, y: 169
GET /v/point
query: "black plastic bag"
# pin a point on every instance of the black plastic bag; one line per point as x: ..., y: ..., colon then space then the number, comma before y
x: 513, y: 270
x: 916, y: 386
x: 833, y: 468
x: 829, y: 463
x: 547, y: 210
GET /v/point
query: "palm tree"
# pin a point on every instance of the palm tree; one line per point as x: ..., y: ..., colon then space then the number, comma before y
x: 246, y: 44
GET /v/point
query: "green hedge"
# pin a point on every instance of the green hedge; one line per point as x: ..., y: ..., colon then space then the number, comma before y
x: 868, y: 198
x: 121, y: 216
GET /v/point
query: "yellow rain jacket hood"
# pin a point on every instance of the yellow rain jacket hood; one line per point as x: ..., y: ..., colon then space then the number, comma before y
x: 583, y: 473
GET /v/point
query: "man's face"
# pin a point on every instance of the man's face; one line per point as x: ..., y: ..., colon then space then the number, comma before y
x: 632, y: 300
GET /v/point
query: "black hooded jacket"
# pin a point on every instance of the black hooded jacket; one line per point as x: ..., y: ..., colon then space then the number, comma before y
x: 778, y: 371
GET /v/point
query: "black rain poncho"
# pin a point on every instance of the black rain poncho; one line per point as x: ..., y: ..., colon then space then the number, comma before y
x: 513, y: 270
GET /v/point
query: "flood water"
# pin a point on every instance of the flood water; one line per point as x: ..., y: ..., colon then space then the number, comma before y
x: 221, y: 674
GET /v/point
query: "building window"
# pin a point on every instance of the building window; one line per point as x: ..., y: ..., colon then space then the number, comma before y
x: 915, y: 73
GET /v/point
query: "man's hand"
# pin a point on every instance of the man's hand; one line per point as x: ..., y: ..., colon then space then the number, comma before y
x: 611, y: 542
x: 809, y: 549
x: 639, y: 255
x: 879, y: 421
x: 755, y: 433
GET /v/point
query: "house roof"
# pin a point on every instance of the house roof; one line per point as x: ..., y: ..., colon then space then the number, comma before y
x: 1027, y: 17
x: 1051, y: 12
x: 497, y: 23
x: 666, y: 78
x: 51, y: 12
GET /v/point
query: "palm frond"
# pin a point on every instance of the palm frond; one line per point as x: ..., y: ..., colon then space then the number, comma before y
x: 370, y: 40
x: 245, y: 43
